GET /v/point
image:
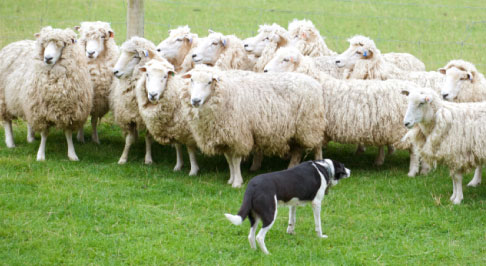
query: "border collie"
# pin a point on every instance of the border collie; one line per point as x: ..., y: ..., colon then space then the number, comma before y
x: 304, y: 183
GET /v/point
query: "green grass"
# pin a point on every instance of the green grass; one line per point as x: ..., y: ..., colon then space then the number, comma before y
x: 97, y: 212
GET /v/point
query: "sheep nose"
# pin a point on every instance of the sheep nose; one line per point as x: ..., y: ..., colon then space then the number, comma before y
x: 91, y: 53
x: 48, y: 59
x: 407, y: 124
x: 194, y: 55
x: 445, y: 95
x: 152, y: 95
x: 158, y: 50
x: 115, y: 72
x: 196, y: 102
x: 266, y: 70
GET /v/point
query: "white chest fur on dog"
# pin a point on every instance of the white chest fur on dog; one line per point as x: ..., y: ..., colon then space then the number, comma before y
x: 300, y: 185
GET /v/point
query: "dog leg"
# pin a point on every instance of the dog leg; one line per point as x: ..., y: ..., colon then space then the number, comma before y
x: 229, y: 159
x: 179, y: 159
x: 251, y: 236
x: 192, y: 159
x: 316, y: 208
x: 261, y: 234
x: 257, y: 161
x: 291, y: 227
x: 477, y: 178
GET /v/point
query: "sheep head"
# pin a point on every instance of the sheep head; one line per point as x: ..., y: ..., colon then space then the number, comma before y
x: 286, y: 59
x: 457, y: 73
x: 51, y: 43
x: 203, y: 81
x: 210, y: 48
x: 420, y: 107
x: 157, y: 73
x: 177, y: 45
x: 94, y: 36
x: 133, y: 52
x: 361, y: 48
x: 267, y: 35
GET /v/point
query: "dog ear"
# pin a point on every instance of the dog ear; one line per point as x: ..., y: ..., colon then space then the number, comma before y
x: 76, y: 28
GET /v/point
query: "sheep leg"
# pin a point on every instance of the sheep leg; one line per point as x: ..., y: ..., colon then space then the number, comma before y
x: 477, y: 177
x: 380, y: 159
x: 257, y: 161
x: 71, y: 152
x: 192, y: 159
x: 41, y: 153
x: 129, y: 140
x: 414, y: 163
x: 318, y: 153
x: 238, y: 179
x: 295, y: 159
x: 179, y: 159
x: 459, y: 196
x: 80, y: 136
x: 30, y: 134
x: 148, y: 148
x: 391, y: 149
x: 425, y: 168
x: 360, y: 149
x: 229, y: 159
x: 9, y: 141
x: 94, y: 127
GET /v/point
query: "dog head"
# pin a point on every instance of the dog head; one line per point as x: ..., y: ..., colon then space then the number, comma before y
x: 336, y: 170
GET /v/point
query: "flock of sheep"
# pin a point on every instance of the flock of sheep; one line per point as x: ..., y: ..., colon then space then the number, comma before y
x: 224, y: 95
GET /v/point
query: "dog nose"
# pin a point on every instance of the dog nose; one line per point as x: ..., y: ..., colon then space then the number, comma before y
x: 266, y: 70
x: 194, y: 55
x: 445, y: 95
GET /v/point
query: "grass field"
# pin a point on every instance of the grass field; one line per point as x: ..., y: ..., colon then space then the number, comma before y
x: 97, y: 212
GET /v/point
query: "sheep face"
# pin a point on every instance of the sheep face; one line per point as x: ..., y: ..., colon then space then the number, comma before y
x: 94, y: 36
x: 355, y: 52
x: 210, y: 49
x: 53, y: 51
x: 126, y: 63
x: 419, y: 109
x: 266, y: 35
x: 175, y: 46
x: 156, y: 76
x: 202, y: 84
x: 286, y: 60
x: 455, y: 79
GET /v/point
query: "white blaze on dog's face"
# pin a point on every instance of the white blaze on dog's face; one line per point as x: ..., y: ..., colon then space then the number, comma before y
x: 356, y: 51
x: 176, y: 45
x: 418, y: 109
x: 53, y: 51
x: 286, y: 59
x: 126, y: 63
x: 455, y: 78
x: 210, y: 48
x: 202, y: 84
x: 157, y: 74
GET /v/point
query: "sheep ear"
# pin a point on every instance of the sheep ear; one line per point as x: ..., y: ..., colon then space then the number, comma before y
x: 170, y: 73
x: 169, y: 31
x: 37, y: 35
x: 470, y: 76
x: 427, y: 99
x: 142, y: 69
x: 111, y: 34
x: 150, y: 54
x: 186, y: 76
x: 215, y: 78
x: 188, y: 37
x: 73, y: 41
x: 77, y: 28
x: 405, y: 92
x: 442, y: 71
x: 304, y: 35
x: 224, y: 42
x: 210, y: 31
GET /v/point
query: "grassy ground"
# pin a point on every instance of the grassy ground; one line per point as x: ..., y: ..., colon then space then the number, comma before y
x: 97, y: 212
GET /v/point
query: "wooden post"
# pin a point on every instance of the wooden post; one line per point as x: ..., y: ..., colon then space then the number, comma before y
x: 135, y: 18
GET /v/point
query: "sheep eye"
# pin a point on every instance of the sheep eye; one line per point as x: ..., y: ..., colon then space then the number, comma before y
x: 165, y: 76
x: 420, y: 104
x: 296, y: 36
x: 266, y: 39
x: 136, y: 56
x: 179, y: 40
x: 103, y: 37
x: 210, y: 82
x: 358, y: 52
x: 286, y: 60
x: 158, y: 50
x: 214, y: 43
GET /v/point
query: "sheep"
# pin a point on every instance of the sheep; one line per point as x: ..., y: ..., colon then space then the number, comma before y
x: 360, y: 111
x: 306, y: 37
x: 361, y: 47
x: 264, y: 45
x: 178, y: 48
x: 123, y: 101
x: 290, y: 59
x: 48, y: 84
x: 158, y: 96
x: 464, y: 83
x: 223, y: 51
x: 237, y: 112
x: 97, y: 39
x: 448, y: 132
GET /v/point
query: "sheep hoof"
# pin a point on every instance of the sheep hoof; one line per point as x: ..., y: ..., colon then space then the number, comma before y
x: 97, y: 141
x: 193, y: 172
x: 473, y: 184
x: 122, y: 161
x: 73, y: 158
x: 148, y: 161
x: 10, y: 145
x: 412, y: 174
x: 457, y: 201
x: 177, y: 167
x: 236, y: 185
x: 290, y: 231
x: 41, y: 158
x: 30, y: 139
x: 379, y: 162
x: 322, y: 236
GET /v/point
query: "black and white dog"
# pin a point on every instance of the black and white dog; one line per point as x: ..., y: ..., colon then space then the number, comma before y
x: 304, y: 183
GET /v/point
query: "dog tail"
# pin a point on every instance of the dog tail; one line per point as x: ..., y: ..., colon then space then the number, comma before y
x: 243, y: 213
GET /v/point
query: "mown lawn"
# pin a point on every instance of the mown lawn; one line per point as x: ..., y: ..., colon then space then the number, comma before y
x: 97, y: 212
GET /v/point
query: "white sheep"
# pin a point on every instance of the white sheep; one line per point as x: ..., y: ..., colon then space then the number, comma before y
x: 97, y: 39
x: 266, y: 43
x: 359, y: 111
x: 306, y: 37
x: 178, y: 48
x: 123, y: 99
x: 464, y: 83
x: 447, y: 132
x: 223, y: 51
x: 158, y: 95
x: 47, y: 83
x: 361, y: 47
x: 237, y: 112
